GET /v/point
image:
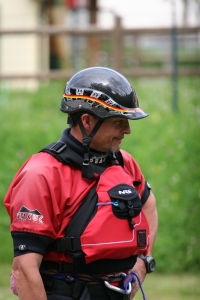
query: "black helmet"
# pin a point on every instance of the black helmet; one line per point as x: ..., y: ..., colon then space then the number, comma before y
x: 103, y: 93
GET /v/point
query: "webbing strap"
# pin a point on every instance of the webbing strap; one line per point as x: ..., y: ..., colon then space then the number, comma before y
x: 65, y: 244
x: 102, y: 266
x: 71, y: 242
x: 80, y: 290
x: 85, y: 295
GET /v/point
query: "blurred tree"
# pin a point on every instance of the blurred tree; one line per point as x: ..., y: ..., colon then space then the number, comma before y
x: 52, y: 13
x: 93, y: 41
x: 186, y: 10
x: 198, y: 10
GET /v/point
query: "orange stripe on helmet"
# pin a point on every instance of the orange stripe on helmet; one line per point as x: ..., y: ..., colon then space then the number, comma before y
x: 133, y: 110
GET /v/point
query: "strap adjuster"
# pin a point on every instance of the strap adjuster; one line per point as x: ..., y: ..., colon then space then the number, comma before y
x: 60, y: 267
x: 58, y: 147
x: 69, y: 244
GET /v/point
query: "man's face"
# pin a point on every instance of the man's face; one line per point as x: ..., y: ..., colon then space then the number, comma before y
x: 110, y: 135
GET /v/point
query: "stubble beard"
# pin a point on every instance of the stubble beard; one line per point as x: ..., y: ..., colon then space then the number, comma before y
x: 113, y: 150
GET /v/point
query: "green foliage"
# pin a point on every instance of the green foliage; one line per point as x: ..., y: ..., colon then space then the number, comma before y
x: 166, y: 145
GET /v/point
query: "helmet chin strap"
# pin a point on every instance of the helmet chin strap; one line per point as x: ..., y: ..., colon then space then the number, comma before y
x: 87, y: 172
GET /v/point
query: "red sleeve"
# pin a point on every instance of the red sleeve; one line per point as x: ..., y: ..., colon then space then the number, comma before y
x: 31, y: 200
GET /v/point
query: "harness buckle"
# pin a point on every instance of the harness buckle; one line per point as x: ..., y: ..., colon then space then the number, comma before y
x: 117, y: 289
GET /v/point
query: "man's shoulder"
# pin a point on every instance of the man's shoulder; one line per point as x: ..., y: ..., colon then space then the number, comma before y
x: 44, y: 158
x: 129, y: 160
x: 41, y: 163
x: 126, y: 155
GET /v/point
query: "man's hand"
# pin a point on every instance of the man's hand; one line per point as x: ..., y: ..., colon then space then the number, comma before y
x: 140, y: 269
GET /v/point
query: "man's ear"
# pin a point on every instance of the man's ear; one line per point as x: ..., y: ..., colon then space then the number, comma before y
x: 86, y: 120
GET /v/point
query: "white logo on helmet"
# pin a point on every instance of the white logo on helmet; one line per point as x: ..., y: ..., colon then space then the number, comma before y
x: 79, y: 91
x: 111, y: 102
x: 95, y: 94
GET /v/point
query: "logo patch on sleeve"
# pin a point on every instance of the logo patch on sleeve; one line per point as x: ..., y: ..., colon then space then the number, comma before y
x: 27, y: 215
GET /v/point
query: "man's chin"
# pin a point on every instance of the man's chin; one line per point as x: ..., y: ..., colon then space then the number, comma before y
x: 114, y: 149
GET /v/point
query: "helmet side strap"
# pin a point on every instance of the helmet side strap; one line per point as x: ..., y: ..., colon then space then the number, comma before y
x: 86, y: 145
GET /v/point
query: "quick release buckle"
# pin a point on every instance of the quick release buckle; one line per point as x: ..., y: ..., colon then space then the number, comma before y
x: 126, y: 291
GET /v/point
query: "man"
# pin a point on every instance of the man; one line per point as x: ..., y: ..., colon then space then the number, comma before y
x: 83, y: 218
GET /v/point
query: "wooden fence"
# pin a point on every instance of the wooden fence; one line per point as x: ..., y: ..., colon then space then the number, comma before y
x: 140, y: 63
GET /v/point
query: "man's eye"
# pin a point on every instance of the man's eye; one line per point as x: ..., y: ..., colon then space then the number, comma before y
x: 120, y: 122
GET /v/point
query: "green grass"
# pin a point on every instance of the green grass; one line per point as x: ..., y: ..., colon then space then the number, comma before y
x: 173, y: 287
x: 156, y: 286
x: 166, y: 145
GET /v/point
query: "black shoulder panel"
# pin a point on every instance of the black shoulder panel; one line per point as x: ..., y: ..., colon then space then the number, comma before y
x: 63, y: 153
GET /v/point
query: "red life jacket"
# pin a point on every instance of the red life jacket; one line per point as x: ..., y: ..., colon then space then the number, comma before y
x: 110, y: 222
x: 119, y: 227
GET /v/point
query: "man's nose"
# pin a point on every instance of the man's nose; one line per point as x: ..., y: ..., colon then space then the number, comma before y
x: 127, y: 129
